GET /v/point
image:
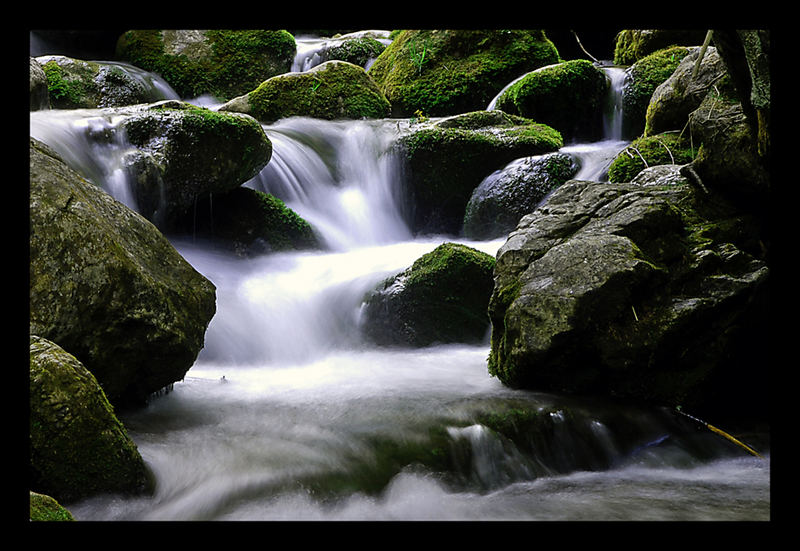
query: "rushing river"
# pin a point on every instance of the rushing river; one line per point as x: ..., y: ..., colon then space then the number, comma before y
x: 288, y: 414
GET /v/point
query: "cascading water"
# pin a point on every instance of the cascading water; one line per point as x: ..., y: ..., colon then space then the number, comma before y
x: 289, y: 415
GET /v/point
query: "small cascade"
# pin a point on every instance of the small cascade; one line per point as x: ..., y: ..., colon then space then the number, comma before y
x: 612, y: 121
x: 340, y: 176
x: 311, y: 50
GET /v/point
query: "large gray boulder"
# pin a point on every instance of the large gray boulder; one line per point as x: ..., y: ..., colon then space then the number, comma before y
x: 683, y: 92
x: 108, y: 287
x: 652, y: 292
x: 78, y: 447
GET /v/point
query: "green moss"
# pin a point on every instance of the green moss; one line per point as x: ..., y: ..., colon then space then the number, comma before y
x: 239, y: 60
x: 333, y: 90
x: 45, y: 508
x: 662, y: 149
x: 65, y: 92
x: 460, y: 71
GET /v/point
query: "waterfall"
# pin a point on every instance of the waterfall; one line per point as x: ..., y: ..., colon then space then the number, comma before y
x: 342, y: 177
x: 288, y: 414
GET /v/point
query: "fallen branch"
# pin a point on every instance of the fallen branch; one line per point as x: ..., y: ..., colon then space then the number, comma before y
x: 721, y: 432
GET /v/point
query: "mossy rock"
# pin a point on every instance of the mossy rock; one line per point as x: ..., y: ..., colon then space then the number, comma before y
x: 78, y: 447
x: 663, y: 149
x: 191, y: 152
x: 653, y: 293
x: 250, y: 222
x: 106, y: 285
x: 45, y: 508
x: 499, y: 202
x: 642, y: 79
x: 332, y: 90
x: 632, y: 45
x: 358, y: 50
x: 222, y: 63
x: 567, y: 96
x: 78, y: 84
x: 446, y: 72
x: 446, y: 160
x: 441, y: 298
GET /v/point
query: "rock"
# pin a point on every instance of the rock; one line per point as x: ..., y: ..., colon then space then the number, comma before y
x: 567, y: 96
x: 641, y: 80
x: 78, y: 84
x: 505, y: 196
x: 675, y: 98
x: 332, y: 90
x: 222, y: 63
x: 40, y: 98
x: 441, y: 298
x: 107, y: 286
x: 654, y: 293
x: 447, y: 72
x: 632, y: 45
x: 187, y: 152
x: 250, y: 222
x: 645, y: 152
x: 78, y: 447
x: 45, y: 508
x: 358, y: 48
x: 446, y: 160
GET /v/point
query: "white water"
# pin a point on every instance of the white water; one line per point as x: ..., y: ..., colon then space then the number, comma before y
x: 286, y: 392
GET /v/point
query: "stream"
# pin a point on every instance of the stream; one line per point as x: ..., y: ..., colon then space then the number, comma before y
x: 288, y: 414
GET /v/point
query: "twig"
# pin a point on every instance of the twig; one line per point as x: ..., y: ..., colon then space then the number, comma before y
x: 703, y: 49
x: 582, y: 48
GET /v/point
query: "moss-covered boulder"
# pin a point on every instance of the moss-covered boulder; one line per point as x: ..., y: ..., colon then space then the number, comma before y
x: 222, y: 63
x: 446, y: 72
x: 186, y: 152
x: 39, y: 94
x: 441, y: 298
x: 675, y: 98
x: 357, y: 48
x: 507, y: 195
x: 77, y: 84
x: 663, y: 149
x: 642, y: 79
x: 78, y: 447
x: 332, y: 90
x: 632, y: 45
x: 250, y: 222
x: 106, y: 285
x: 568, y: 96
x: 45, y: 508
x: 447, y: 159
x: 656, y: 293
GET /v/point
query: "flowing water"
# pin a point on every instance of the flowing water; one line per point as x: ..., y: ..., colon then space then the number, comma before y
x: 288, y: 414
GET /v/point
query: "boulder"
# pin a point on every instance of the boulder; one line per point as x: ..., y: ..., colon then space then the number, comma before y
x: 655, y: 293
x: 447, y: 159
x: 250, y: 222
x: 221, y: 63
x: 632, y: 45
x: 675, y: 98
x: 641, y: 80
x: 39, y: 95
x: 507, y: 195
x: 45, y: 508
x: 447, y: 72
x: 78, y: 447
x: 78, y: 84
x: 663, y: 149
x: 332, y: 90
x: 106, y: 285
x: 185, y: 152
x: 441, y: 298
x: 568, y: 96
